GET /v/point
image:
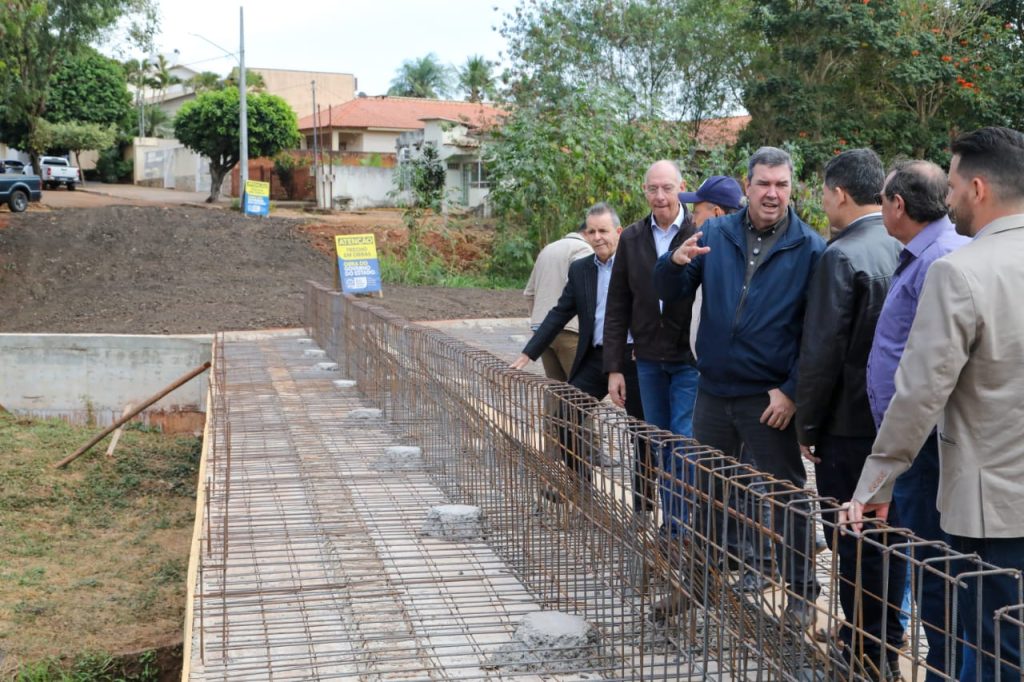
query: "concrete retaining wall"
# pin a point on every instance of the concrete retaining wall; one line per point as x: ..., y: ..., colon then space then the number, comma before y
x: 91, y: 377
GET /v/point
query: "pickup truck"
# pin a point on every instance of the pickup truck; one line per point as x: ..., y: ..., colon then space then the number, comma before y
x: 17, y: 190
x: 57, y: 171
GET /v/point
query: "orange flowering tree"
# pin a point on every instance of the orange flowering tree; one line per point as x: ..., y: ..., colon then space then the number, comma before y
x: 900, y: 76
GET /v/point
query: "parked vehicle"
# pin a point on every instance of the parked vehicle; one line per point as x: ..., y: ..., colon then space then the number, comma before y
x: 58, y: 171
x: 11, y: 166
x: 17, y: 190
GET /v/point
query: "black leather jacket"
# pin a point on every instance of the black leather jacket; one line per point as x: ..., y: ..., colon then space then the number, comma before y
x: 844, y: 300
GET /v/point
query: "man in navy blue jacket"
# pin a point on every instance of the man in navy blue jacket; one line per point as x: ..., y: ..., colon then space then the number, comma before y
x: 754, y: 267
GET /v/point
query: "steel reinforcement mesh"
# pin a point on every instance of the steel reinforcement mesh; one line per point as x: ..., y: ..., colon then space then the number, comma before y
x: 569, y: 491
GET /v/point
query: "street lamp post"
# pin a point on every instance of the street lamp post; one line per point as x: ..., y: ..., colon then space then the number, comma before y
x: 243, y: 110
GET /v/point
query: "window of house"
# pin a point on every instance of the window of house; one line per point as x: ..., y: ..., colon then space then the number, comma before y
x: 477, y: 175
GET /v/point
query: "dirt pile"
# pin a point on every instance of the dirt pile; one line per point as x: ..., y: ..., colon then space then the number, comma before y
x: 176, y: 270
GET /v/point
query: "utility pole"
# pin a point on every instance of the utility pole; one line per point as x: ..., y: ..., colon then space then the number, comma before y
x: 316, y: 151
x: 243, y: 113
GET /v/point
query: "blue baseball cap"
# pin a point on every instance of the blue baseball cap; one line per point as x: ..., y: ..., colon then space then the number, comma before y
x: 718, y: 189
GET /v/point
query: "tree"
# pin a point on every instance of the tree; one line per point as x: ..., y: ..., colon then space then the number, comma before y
x: 916, y: 73
x: 160, y: 71
x: 675, y: 59
x: 424, y: 77
x: 254, y: 81
x: 89, y: 88
x: 546, y: 165
x: 208, y: 125
x: 74, y: 136
x: 476, y: 80
x: 38, y: 36
x: 207, y: 80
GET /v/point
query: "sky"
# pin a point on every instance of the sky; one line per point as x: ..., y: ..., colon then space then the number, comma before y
x: 367, y: 38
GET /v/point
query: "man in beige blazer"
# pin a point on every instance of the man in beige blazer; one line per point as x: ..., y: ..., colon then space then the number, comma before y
x: 963, y: 369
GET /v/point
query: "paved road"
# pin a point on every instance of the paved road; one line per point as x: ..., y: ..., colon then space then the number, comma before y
x: 96, y: 194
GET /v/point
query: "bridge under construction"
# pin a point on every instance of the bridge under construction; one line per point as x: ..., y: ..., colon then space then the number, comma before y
x: 382, y: 500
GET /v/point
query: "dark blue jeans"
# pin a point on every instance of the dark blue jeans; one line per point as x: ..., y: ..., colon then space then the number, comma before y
x: 985, y: 595
x: 733, y: 425
x: 842, y: 459
x: 915, y: 495
x: 668, y: 391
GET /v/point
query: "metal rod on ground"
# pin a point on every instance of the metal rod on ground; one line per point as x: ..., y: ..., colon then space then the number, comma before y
x: 117, y: 432
x: 146, y: 403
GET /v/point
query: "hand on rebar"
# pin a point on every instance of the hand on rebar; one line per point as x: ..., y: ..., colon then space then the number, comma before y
x: 617, y: 388
x: 522, y: 361
x: 854, y: 512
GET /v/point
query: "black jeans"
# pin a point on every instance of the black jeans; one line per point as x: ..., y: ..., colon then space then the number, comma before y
x: 733, y: 425
x: 842, y: 460
x: 577, y: 448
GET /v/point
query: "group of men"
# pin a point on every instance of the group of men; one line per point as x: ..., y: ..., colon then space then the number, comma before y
x: 892, y: 357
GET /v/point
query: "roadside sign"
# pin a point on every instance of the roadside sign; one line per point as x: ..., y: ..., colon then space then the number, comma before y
x: 256, y: 200
x: 358, y: 266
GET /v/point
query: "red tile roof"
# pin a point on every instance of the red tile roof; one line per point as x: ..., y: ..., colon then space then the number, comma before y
x: 402, y: 113
x: 721, y: 131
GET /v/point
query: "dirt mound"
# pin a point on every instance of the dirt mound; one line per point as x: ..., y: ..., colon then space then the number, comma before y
x: 171, y: 270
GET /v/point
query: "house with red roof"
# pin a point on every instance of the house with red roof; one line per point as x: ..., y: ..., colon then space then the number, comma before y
x: 398, y: 127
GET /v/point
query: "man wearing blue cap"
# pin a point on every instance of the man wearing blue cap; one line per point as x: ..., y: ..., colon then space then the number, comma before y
x: 717, y: 196
x: 754, y: 267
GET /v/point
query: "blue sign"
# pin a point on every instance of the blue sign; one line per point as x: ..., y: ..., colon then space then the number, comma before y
x: 358, y: 266
x: 359, y: 276
x: 256, y: 199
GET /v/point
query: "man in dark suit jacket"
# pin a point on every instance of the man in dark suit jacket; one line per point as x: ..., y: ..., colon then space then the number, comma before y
x: 833, y: 416
x: 585, y: 295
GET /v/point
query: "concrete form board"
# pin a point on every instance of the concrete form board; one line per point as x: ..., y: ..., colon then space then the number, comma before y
x: 93, y: 376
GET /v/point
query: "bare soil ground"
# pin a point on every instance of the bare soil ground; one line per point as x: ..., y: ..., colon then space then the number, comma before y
x: 166, y: 269
x: 92, y: 263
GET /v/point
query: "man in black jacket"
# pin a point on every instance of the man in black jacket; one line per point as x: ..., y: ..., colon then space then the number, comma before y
x: 833, y: 417
x: 661, y: 330
x: 585, y: 295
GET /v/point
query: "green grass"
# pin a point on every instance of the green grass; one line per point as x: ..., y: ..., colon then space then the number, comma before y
x: 94, y: 555
x: 418, y: 266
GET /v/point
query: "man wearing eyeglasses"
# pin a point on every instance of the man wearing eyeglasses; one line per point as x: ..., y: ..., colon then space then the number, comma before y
x: 661, y: 330
x: 753, y: 267
x: 913, y: 204
x: 833, y: 417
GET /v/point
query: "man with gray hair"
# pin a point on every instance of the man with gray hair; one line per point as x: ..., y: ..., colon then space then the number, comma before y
x: 754, y: 267
x: 586, y: 295
x: 660, y: 331
x: 913, y: 203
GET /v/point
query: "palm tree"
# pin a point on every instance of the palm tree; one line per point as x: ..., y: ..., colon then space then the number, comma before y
x: 207, y: 80
x: 138, y: 74
x: 160, y: 71
x: 476, y: 80
x: 423, y: 77
x: 253, y: 80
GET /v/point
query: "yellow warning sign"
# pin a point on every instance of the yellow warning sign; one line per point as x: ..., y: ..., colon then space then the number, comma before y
x: 355, y: 246
x: 255, y: 188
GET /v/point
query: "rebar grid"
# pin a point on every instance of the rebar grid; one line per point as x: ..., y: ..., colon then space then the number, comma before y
x: 313, y: 568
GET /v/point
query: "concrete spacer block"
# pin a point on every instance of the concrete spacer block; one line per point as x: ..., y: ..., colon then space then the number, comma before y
x: 399, y: 457
x: 365, y: 413
x: 314, y: 353
x: 304, y: 341
x: 550, y: 641
x: 344, y: 383
x: 454, y: 522
x: 327, y: 366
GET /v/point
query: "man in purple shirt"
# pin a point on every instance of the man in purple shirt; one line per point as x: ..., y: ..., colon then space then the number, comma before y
x: 914, y: 212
